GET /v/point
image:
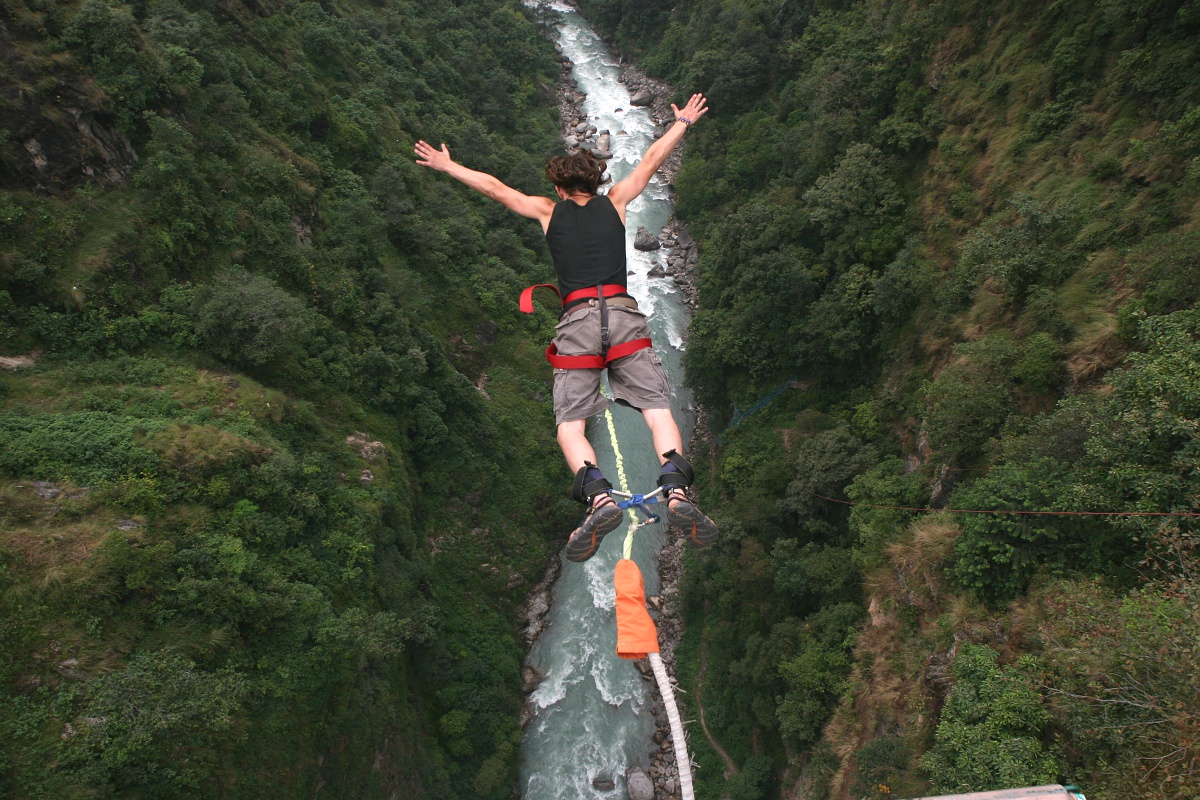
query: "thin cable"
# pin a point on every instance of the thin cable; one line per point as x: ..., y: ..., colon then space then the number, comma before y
x: 1014, y: 512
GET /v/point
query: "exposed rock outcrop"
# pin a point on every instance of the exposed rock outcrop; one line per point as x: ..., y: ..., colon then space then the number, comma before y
x: 642, y: 97
x: 58, y: 146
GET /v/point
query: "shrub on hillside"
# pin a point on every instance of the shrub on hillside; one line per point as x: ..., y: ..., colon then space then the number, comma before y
x: 85, y: 447
x: 153, y: 726
x: 990, y: 732
x: 824, y: 465
x: 971, y: 398
x: 998, y: 555
x: 887, y: 484
x: 815, y: 669
x: 1123, y: 678
x: 249, y: 321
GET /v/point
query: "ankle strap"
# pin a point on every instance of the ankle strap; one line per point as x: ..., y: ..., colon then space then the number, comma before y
x: 584, y: 490
x: 683, y: 475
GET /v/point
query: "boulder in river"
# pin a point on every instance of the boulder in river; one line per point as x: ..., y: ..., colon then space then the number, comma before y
x: 639, y: 784
x: 642, y: 97
x: 531, y: 678
x: 645, y: 241
x: 603, y: 784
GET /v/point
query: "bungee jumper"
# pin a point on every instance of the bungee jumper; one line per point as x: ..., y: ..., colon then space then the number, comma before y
x: 601, y: 326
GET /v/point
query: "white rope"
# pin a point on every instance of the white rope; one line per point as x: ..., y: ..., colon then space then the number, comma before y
x: 682, y: 760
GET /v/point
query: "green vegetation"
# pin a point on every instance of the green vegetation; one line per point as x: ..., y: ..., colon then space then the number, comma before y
x: 968, y: 231
x: 284, y: 468
x: 991, y: 729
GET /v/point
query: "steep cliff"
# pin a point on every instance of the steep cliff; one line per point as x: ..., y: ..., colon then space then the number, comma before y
x: 965, y: 234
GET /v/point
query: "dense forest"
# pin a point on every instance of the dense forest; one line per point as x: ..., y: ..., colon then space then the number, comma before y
x: 277, y: 462
x: 961, y: 236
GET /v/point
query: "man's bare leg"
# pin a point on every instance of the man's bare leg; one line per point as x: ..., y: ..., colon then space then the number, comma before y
x: 572, y: 438
x: 664, y: 431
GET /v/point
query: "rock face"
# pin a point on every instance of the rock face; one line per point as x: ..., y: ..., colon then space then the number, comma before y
x: 368, y: 449
x: 487, y: 330
x: 46, y: 490
x: 639, y: 784
x: 63, y: 143
x: 16, y: 362
x: 646, y: 241
x: 603, y: 146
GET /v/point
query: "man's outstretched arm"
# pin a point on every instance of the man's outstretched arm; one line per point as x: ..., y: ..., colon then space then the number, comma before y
x: 624, y: 192
x: 538, y: 208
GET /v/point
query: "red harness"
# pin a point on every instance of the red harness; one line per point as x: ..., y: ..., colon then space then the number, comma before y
x: 607, y: 354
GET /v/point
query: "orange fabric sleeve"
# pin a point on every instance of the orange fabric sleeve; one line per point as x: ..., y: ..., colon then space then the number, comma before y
x: 636, y: 634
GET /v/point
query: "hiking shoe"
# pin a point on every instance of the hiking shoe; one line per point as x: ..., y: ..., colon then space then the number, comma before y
x: 683, y: 515
x: 602, y: 518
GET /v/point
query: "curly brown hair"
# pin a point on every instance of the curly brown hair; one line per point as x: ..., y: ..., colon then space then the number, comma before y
x: 578, y: 172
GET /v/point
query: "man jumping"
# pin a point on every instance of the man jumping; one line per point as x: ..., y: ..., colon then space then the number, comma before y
x: 601, y: 327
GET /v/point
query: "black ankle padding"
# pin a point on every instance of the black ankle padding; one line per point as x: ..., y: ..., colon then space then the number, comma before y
x: 584, y: 490
x: 683, y: 475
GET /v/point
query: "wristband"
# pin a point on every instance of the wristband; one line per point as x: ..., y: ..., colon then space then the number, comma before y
x: 684, y: 120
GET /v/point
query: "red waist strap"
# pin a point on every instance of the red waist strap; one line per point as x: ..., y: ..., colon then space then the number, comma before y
x: 594, y: 361
x: 610, y: 290
x: 587, y: 361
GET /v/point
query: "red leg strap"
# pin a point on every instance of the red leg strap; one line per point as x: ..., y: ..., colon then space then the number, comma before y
x: 594, y: 361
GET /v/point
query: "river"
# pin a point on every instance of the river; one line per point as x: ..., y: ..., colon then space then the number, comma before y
x: 591, y: 711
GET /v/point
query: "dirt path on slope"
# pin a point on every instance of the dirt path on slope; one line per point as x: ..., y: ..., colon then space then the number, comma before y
x: 730, y: 767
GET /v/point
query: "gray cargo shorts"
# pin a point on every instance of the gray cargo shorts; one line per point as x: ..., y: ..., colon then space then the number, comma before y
x: 637, y: 380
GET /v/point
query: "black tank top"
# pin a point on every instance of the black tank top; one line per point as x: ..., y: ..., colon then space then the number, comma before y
x: 587, y: 244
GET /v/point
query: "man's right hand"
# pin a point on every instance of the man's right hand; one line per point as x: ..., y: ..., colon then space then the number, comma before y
x: 696, y: 108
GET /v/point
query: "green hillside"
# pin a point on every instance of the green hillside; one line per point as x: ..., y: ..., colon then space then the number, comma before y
x: 283, y: 466
x: 967, y: 232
